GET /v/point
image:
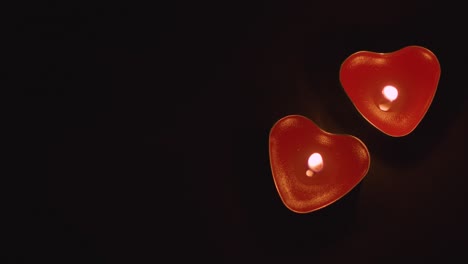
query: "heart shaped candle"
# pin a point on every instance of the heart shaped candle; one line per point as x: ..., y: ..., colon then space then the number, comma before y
x: 393, y: 91
x: 312, y: 168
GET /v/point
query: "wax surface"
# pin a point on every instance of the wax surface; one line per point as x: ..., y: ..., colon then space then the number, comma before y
x: 393, y: 91
x: 303, y: 184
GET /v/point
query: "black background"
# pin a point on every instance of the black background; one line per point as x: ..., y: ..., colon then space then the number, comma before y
x: 143, y: 134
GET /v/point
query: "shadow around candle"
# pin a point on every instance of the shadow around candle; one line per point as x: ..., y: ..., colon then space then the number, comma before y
x: 311, y: 233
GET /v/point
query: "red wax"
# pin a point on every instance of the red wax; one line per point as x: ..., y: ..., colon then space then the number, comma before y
x: 393, y: 91
x: 312, y: 168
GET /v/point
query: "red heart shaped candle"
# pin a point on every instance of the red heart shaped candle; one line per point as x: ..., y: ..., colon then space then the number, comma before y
x: 393, y: 91
x: 312, y: 168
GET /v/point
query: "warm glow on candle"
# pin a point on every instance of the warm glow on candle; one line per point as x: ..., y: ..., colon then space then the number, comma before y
x: 298, y: 151
x: 402, y: 83
x: 315, y: 163
x: 390, y: 92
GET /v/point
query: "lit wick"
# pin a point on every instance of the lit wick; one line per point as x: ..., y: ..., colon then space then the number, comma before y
x: 315, y: 163
x: 390, y: 93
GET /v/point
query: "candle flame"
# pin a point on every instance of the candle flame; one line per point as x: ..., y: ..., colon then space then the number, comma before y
x: 390, y: 92
x: 315, y: 163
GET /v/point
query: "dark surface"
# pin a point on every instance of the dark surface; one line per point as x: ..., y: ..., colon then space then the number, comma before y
x: 144, y: 134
